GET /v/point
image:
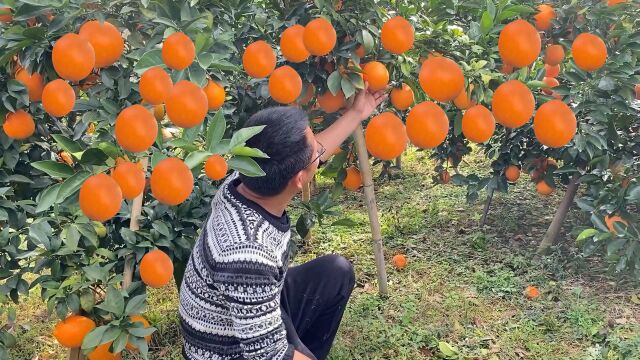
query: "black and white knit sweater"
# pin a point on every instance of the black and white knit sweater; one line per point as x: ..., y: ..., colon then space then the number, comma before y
x: 230, y: 293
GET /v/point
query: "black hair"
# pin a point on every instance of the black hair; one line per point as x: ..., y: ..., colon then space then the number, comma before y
x: 283, y: 139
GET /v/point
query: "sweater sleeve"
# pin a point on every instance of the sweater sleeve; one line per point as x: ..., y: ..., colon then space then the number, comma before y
x: 251, y: 287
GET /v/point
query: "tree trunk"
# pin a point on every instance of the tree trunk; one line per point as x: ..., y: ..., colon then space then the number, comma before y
x: 399, y: 162
x: 561, y: 213
x: 306, y: 196
x: 136, y: 210
x: 76, y: 354
x: 372, y: 209
x: 483, y: 221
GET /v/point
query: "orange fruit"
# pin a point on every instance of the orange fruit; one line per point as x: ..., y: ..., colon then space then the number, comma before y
x: 66, y: 158
x: 551, y: 71
x: 385, y: 136
x: 292, y: 44
x: 178, y: 51
x: 519, y: 43
x: 73, y: 57
x: 637, y: 91
x: 5, y: 15
x: 330, y: 103
x: 554, y: 55
x: 513, y: 104
x: 463, y: 100
x: 215, y: 167
x: 399, y: 261
x: 376, y: 75
x: 543, y: 188
x: 360, y: 51
x: 611, y: 220
x: 478, y: 124
x: 156, y: 268
x: 106, y: 41
x: 307, y: 95
x: 155, y: 85
x: 136, y: 128
x: 506, y: 69
x: 285, y: 85
x: 615, y: 2
x: 512, y: 173
x: 353, y: 180
x: 71, y: 331
x: 171, y: 181
x: 397, y: 35
x: 158, y: 112
x: 33, y: 83
x: 319, y: 37
x: 100, y: 197
x: 551, y: 83
x: 58, y: 98
x: 186, y: 104
x: 441, y: 78
x: 18, y: 125
x: 145, y: 324
x: 215, y: 95
x: 554, y: 124
x: 531, y: 292
x: 427, y: 125
x: 258, y: 59
x: 102, y: 352
x: 130, y: 178
x: 589, y: 52
x: 544, y: 17
x: 402, y: 97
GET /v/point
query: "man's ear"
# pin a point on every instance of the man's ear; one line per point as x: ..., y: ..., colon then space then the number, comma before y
x: 297, y: 181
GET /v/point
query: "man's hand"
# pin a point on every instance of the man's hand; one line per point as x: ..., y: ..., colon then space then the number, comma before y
x: 366, y: 102
x: 297, y: 355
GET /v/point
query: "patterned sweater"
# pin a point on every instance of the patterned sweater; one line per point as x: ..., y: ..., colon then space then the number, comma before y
x: 230, y: 293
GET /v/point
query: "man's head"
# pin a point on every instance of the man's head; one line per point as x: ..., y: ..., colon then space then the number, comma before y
x: 291, y: 147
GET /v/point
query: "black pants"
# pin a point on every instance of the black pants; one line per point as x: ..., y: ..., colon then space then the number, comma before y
x: 313, y: 300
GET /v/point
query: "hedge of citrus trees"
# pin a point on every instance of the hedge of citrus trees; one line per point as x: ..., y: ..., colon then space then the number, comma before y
x: 119, y: 118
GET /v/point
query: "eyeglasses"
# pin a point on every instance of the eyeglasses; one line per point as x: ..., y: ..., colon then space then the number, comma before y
x: 321, y: 150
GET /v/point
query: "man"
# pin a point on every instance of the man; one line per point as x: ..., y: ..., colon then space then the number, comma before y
x: 237, y: 299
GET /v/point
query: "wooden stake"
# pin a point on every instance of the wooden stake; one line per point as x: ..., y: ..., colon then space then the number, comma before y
x: 136, y: 210
x: 306, y: 196
x: 551, y: 235
x: 372, y: 208
x: 483, y: 221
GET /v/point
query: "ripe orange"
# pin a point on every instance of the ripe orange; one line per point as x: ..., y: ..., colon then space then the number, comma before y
x: 158, y: 112
x: 376, y: 75
x: 319, y: 37
x: 186, y: 104
x: 551, y: 71
x: 397, y: 35
x: 637, y: 91
x: 551, y: 83
x: 285, y: 85
x: 554, y: 124
x: 171, y: 181
x: 399, y: 261
x: 136, y: 128
x: 589, y: 52
x: 512, y: 173
x: 73, y: 57
x: 130, y: 178
x: 102, y: 353
x: 215, y: 95
x: 441, y: 78
x: 58, y: 98
x: 360, y: 51
x: 307, y: 95
x: 506, y: 69
x: 402, y: 97
x: 145, y: 324
x: 71, y: 331
x: 6, y: 16
x: 100, y: 197
x: 385, y: 136
x: 519, y: 43
x: 33, y: 83
x: 531, y: 292
x: 178, y: 51
x: 615, y: 2
x: 463, y: 100
x: 106, y: 41
x: 258, y: 59
x: 478, y: 124
x: 427, y: 125
x: 554, y: 55
x: 156, y: 268
x: 330, y: 103
x: 544, y: 17
x: 18, y: 125
x: 155, y: 85
x: 513, y: 104
x: 543, y: 188
x: 353, y: 180
x: 292, y: 44
x: 216, y: 167
x: 611, y: 220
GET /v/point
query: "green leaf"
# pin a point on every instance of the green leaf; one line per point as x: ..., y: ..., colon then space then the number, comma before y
x: 196, y: 158
x: 197, y: 75
x: 587, y: 233
x: 113, y: 302
x: 156, y: 158
x: 247, y: 151
x: 94, y: 338
x: 334, y: 82
x: 47, y: 197
x: 241, y: 136
x: 347, y: 87
x: 367, y: 40
x: 344, y: 222
x: 136, y: 305
x: 216, y: 129
x: 93, y: 156
x: 599, y: 222
x: 607, y: 84
x: 108, y: 148
x: 486, y: 23
x: 67, y: 144
x: 222, y: 147
x: 71, y: 185
x: 446, y: 349
x: 246, y: 166
x: 53, y: 168
x: 72, y: 237
x: 535, y: 84
x: 615, y: 245
x: 190, y: 134
x: 148, y: 60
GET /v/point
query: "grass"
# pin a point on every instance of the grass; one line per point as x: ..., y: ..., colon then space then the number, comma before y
x: 460, y: 296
